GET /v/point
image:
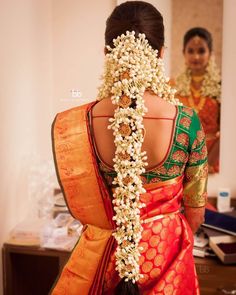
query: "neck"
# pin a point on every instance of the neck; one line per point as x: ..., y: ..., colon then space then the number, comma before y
x: 197, y: 78
x: 198, y: 72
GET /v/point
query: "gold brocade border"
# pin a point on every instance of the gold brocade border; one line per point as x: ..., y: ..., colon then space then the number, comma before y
x: 163, y: 183
x: 149, y: 186
x: 80, y: 272
x: 75, y: 167
x: 159, y: 216
x: 195, y: 185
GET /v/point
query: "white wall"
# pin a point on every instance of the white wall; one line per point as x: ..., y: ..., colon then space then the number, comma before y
x: 25, y: 102
x: 78, y: 49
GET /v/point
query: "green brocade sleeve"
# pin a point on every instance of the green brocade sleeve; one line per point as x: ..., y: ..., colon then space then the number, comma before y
x: 196, y: 170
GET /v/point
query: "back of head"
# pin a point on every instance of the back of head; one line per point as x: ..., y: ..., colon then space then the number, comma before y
x: 200, y: 32
x: 137, y: 16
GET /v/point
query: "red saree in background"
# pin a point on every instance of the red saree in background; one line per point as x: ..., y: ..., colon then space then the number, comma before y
x: 166, y: 261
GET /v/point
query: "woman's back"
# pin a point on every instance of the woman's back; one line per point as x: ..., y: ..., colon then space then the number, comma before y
x: 159, y: 123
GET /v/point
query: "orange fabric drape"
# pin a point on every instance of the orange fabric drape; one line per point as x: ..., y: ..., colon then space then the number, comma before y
x: 81, y: 271
x: 77, y: 171
x: 166, y: 261
x: 88, y: 201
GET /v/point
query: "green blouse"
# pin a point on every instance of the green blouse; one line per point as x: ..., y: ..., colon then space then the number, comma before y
x: 187, y: 155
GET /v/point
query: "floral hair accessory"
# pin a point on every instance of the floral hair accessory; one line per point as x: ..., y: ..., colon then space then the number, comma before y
x: 211, y: 84
x: 131, y: 67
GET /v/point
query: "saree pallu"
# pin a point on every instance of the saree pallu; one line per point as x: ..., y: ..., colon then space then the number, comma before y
x: 88, y: 200
x: 166, y: 262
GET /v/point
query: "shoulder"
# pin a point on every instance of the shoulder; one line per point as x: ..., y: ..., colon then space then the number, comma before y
x: 189, y: 119
x: 104, y: 107
x: 77, y: 109
x: 73, y: 113
x: 70, y: 122
x: 195, y: 128
x: 193, y: 116
x: 71, y: 117
x: 187, y: 111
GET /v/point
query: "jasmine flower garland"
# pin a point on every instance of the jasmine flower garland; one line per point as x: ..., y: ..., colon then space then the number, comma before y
x: 131, y: 67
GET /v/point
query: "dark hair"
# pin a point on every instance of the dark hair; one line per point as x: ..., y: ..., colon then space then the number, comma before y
x: 138, y: 16
x: 200, y: 32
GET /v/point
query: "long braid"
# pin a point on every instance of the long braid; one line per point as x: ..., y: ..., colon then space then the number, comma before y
x: 131, y: 67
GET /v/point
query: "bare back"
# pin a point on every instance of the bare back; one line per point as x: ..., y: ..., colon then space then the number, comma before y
x: 159, y: 123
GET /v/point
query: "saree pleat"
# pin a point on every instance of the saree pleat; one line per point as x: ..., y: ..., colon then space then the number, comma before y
x: 97, y: 286
x: 80, y: 272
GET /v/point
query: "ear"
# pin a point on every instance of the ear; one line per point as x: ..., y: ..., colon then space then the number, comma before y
x: 161, y: 55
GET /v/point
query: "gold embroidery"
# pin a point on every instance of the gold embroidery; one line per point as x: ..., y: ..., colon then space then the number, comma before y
x: 201, y: 173
x: 183, y: 139
x: 179, y: 156
x: 188, y: 111
x: 155, y: 180
x: 195, y: 201
x: 174, y: 170
x: 199, y: 139
x: 185, y: 121
x: 200, y: 135
x: 204, y: 153
x: 195, y: 143
x: 204, y: 171
x: 194, y: 157
x: 195, y: 185
x: 160, y: 170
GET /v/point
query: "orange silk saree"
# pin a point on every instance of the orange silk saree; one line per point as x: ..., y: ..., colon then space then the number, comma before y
x: 166, y: 262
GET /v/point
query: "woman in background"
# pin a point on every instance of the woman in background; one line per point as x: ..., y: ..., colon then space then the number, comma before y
x: 199, y: 87
x: 135, y: 239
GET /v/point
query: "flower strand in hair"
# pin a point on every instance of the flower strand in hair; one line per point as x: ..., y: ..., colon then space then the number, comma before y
x: 131, y: 67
